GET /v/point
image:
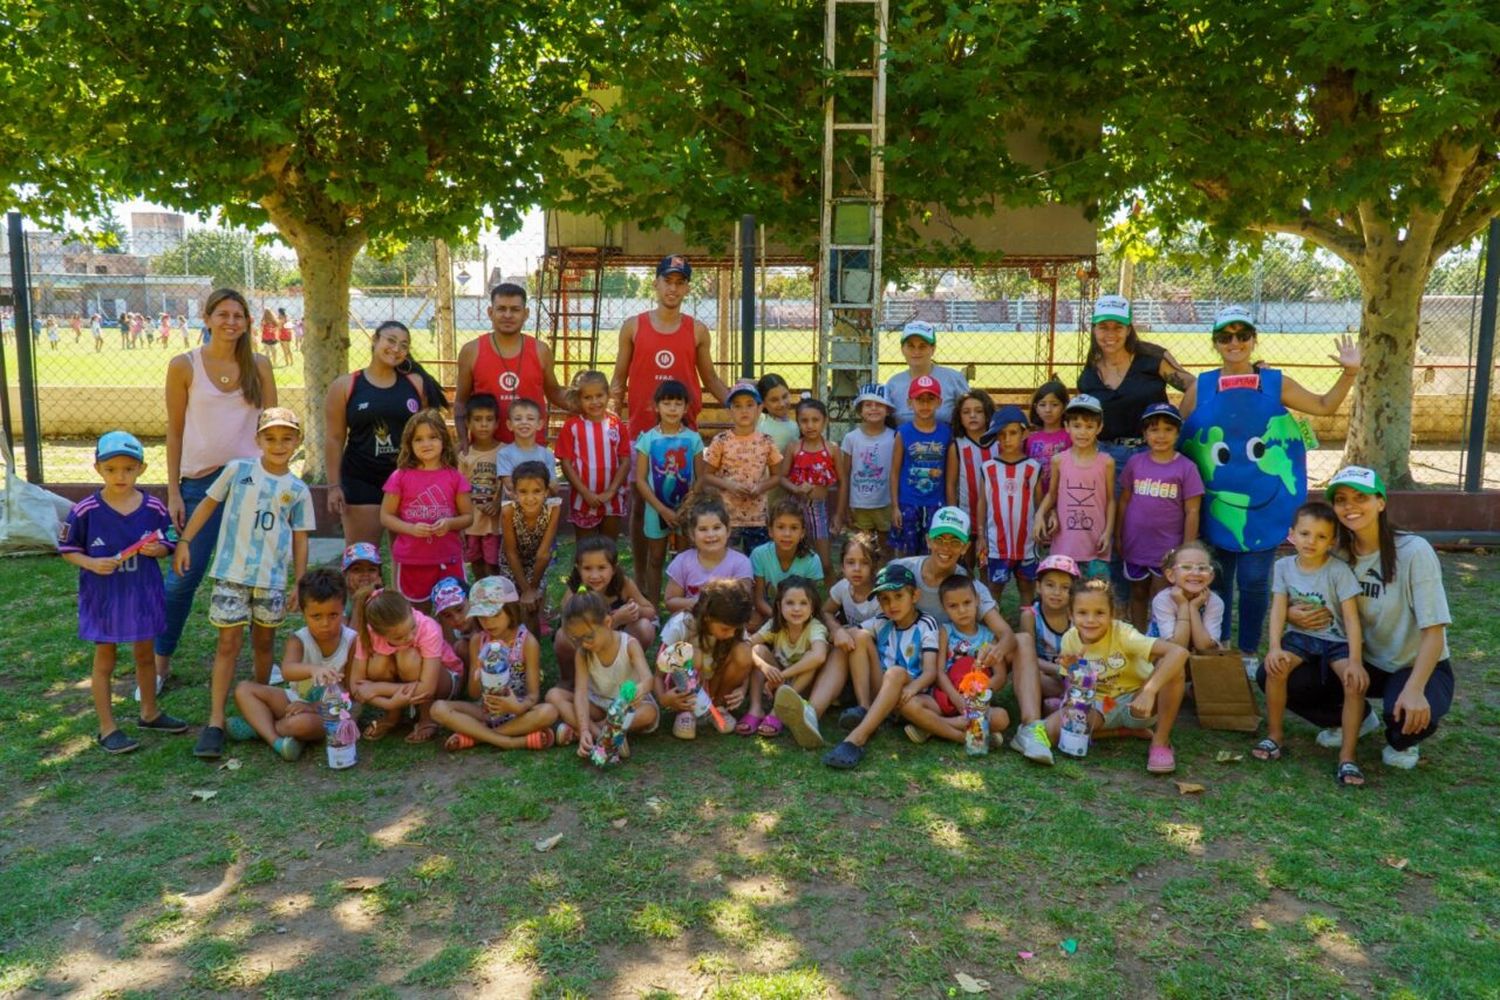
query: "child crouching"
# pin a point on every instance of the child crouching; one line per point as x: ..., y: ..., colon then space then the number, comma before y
x: 608, y: 659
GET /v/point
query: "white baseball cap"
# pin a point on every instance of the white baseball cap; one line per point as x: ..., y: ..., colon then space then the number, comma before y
x: 1233, y: 314
x: 1115, y: 307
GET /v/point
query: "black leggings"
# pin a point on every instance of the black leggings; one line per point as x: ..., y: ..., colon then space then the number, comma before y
x: 1318, y: 696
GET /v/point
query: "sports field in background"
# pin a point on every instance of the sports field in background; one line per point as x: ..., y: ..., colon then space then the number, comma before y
x: 1001, y: 358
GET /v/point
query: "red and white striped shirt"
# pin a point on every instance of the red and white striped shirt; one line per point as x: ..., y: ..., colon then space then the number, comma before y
x: 1011, y: 493
x: 971, y: 459
x: 596, y: 449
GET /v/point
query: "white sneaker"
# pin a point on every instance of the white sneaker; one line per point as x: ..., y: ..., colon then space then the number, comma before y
x: 275, y: 677
x: 1332, y: 739
x: 1032, y: 743
x: 1252, y: 665
x: 160, y: 683
x: 1403, y: 760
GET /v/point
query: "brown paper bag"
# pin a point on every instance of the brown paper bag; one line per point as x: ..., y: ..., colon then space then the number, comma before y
x: 1222, y: 692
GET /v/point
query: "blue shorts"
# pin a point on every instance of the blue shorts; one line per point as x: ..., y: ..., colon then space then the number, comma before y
x: 1138, y: 572
x: 747, y: 538
x: 999, y: 572
x: 911, y: 538
x: 1319, y: 652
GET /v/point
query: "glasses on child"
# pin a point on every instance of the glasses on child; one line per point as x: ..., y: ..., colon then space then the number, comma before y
x: 1195, y: 567
x: 1225, y: 336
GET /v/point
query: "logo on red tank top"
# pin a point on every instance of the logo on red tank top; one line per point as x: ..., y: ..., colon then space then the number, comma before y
x: 665, y: 359
x: 508, y: 381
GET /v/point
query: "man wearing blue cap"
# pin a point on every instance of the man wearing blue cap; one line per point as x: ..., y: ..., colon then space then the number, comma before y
x: 656, y: 346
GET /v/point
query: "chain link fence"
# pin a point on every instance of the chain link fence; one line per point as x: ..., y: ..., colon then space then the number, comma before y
x: 107, y: 322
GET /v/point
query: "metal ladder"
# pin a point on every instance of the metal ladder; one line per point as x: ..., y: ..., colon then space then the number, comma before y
x: 572, y: 303
x: 850, y: 286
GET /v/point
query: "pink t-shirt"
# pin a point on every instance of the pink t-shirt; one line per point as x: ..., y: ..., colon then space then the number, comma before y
x: 427, y: 638
x: 426, y: 496
x: 1042, y: 445
x: 688, y: 573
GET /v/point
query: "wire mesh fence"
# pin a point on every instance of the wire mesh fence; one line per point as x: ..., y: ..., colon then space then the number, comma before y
x: 107, y: 322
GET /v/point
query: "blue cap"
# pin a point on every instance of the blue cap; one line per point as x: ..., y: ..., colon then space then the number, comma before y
x: 113, y: 444
x: 742, y: 389
x: 674, y: 263
x: 1161, y: 410
x: 1003, y: 418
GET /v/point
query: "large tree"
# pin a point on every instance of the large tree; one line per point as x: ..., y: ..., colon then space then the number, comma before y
x: 224, y: 255
x: 335, y: 121
x: 1368, y: 129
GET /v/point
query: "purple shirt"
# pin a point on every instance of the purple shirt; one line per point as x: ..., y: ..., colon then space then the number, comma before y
x: 130, y: 604
x: 1154, y: 513
x: 688, y: 573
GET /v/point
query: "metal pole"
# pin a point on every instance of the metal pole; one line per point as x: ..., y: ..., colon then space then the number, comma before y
x: 747, y: 296
x: 1484, y: 363
x: 20, y: 284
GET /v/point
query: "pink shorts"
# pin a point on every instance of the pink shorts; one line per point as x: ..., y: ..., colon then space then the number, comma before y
x: 482, y: 548
x: 416, y: 580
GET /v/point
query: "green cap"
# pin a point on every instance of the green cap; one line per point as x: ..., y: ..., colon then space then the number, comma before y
x: 1357, y: 477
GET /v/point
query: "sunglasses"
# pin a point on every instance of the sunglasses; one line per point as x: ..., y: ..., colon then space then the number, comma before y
x: 1225, y: 336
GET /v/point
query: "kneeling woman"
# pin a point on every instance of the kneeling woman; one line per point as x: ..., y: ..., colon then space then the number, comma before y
x: 1403, y: 613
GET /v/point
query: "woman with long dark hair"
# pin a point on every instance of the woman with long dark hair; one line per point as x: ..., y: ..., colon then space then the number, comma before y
x: 214, y: 395
x: 365, y: 412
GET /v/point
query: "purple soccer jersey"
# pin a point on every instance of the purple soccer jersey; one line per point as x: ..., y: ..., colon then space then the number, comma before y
x: 130, y: 604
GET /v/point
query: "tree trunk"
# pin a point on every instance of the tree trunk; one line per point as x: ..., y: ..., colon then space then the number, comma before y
x: 442, y: 288
x: 326, y: 261
x: 1380, y: 419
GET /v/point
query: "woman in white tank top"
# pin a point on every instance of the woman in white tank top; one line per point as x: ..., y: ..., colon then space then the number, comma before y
x: 214, y: 395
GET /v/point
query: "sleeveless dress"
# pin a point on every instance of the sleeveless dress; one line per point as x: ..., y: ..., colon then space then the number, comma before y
x: 1083, y: 494
x: 656, y: 357
x: 510, y: 379
x: 817, y: 468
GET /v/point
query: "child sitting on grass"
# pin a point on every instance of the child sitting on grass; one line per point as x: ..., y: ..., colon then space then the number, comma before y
x: 316, y: 655
x: 961, y: 641
x: 609, y: 659
x: 788, y: 650
x: 1131, y: 692
x: 504, y: 706
x: 400, y: 661
x: 721, y: 651
x: 120, y: 599
x: 901, y: 664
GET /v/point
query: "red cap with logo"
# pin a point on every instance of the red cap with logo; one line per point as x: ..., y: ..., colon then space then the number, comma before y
x: 924, y: 385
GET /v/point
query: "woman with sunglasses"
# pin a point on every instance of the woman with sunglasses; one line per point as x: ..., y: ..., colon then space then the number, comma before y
x: 1253, y: 459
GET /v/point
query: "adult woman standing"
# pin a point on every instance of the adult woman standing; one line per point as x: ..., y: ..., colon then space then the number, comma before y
x: 214, y: 395
x: 366, y: 412
x: 1125, y: 374
x: 1404, y: 618
x: 1253, y: 460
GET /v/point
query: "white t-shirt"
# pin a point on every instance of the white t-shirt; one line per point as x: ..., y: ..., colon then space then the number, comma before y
x: 869, y: 467
x: 1392, y: 615
x: 1164, y: 614
x: 856, y: 613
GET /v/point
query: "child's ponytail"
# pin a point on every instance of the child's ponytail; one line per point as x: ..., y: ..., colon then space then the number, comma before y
x: 377, y: 609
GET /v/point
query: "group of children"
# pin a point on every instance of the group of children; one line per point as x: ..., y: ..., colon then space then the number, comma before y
x: 757, y: 612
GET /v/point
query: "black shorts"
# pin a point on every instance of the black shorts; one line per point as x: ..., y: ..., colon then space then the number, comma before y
x: 359, y: 493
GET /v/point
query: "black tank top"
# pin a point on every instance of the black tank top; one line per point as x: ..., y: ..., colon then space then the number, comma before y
x: 1123, y: 405
x: 375, y: 418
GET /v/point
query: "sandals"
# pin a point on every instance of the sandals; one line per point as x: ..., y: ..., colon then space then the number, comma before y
x: 748, y: 725
x: 770, y: 727
x: 542, y: 739
x: 1349, y: 775
x: 457, y: 742
x: 1161, y: 760
x: 378, y: 730
x: 1267, y: 749
x: 564, y: 734
x: 423, y: 732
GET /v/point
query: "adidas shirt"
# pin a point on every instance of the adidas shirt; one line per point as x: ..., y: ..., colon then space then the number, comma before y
x: 261, y: 511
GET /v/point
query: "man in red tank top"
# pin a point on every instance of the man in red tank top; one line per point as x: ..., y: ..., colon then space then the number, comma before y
x: 655, y: 346
x: 507, y: 364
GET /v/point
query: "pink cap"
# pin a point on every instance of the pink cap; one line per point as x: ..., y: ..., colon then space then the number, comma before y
x: 924, y: 385
x: 1063, y: 564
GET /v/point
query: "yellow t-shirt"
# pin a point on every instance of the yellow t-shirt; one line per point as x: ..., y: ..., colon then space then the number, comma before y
x: 1122, y: 659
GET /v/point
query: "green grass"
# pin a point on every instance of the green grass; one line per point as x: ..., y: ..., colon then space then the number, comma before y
x: 745, y: 868
x: 1001, y: 359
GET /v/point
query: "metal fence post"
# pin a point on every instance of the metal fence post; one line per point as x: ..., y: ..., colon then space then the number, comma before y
x: 1484, y: 364
x: 747, y: 296
x: 20, y: 283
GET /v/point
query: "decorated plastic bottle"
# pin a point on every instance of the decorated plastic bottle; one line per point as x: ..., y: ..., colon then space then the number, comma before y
x: 339, y: 729
x: 975, y: 688
x: 494, y: 667
x: 675, y: 660
x: 616, y: 724
x: 1079, y: 699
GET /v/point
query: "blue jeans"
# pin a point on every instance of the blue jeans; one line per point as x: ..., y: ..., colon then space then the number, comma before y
x: 180, y: 589
x: 1250, y: 574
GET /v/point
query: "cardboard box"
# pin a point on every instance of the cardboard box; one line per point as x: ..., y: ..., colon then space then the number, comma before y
x: 1221, y: 692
